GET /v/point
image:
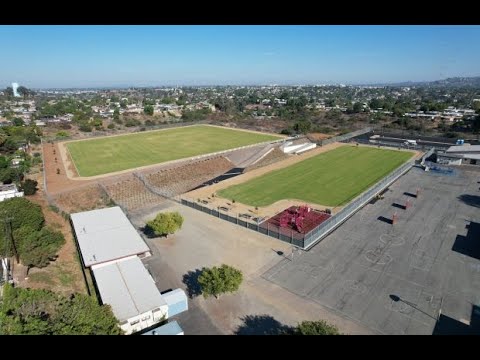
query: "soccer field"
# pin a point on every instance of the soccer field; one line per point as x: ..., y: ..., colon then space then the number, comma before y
x: 332, y: 178
x: 115, y: 153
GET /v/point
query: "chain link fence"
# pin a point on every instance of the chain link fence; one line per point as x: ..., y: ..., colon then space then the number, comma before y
x: 306, y: 241
x: 356, y: 204
x: 345, y: 136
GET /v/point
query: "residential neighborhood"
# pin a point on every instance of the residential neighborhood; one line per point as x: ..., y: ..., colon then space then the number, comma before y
x: 239, y: 180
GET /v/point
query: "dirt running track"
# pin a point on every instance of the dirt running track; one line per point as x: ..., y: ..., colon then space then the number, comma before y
x: 58, y: 182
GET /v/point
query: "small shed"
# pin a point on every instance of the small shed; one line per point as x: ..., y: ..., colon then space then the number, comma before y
x: 172, y: 328
x: 177, y: 301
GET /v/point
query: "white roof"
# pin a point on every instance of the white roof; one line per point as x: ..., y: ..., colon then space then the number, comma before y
x: 175, y: 296
x: 472, y: 156
x: 127, y: 287
x: 8, y: 187
x: 106, y: 234
x: 464, y: 148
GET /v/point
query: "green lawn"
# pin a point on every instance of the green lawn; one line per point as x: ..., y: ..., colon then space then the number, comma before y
x: 109, y: 154
x: 332, y: 178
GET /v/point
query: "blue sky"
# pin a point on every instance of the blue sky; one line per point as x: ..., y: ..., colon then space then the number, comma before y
x: 83, y: 56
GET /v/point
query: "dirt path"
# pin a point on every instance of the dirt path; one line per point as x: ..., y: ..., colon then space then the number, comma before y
x: 59, y: 182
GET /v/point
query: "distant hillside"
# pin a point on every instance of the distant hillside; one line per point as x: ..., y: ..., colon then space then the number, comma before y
x: 449, y: 82
x: 458, y: 82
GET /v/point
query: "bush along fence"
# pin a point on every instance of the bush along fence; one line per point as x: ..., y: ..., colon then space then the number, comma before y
x: 304, y: 241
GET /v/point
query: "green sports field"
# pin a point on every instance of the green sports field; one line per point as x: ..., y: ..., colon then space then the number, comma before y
x: 115, y: 153
x: 332, y: 178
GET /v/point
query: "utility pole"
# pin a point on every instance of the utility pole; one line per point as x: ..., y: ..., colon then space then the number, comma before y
x: 9, y: 243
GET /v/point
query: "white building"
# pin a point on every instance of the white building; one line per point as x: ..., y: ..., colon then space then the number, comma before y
x: 105, y: 235
x: 9, y: 191
x: 131, y: 292
x: 460, y: 154
x: 111, y: 247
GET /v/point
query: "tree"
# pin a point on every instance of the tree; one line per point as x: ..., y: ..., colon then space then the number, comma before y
x: 22, y: 90
x: 219, y: 280
x: 18, y: 121
x: 398, y: 110
x: 82, y: 315
x: 29, y: 187
x: 116, y: 114
x: 316, y: 328
x: 3, y: 162
x: 24, y: 216
x: 302, y: 127
x: 357, y: 107
x: 165, y: 223
x: 61, y: 134
x: 9, y: 91
x: 286, y: 131
x: 148, y: 110
x: 476, y: 107
x: 376, y: 104
x: 43, y: 312
x: 85, y: 127
x: 177, y: 219
x: 9, y: 175
x: 476, y: 124
x: 39, y: 248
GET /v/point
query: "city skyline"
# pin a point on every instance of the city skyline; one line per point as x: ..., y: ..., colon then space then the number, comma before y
x: 122, y: 56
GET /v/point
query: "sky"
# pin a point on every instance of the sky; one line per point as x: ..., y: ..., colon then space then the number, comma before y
x: 132, y: 55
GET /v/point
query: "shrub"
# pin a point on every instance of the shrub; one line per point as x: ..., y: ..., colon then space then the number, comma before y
x: 165, y: 223
x: 316, y: 328
x: 85, y: 127
x: 219, y: 280
x: 61, y: 134
x: 29, y: 187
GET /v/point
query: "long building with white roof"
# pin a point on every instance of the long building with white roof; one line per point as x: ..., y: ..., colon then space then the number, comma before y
x: 111, y: 248
x: 105, y: 235
x: 131, y: 292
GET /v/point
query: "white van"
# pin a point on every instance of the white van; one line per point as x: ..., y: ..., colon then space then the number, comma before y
x: 411, y: 142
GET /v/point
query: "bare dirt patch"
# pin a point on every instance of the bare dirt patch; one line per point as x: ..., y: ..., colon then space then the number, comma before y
x: 88, y: 197
x: 320, y: 136
x: 274, y: 156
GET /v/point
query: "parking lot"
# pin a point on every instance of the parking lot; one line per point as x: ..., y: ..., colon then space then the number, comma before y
x: 259, y: 307
x: 399, y: 278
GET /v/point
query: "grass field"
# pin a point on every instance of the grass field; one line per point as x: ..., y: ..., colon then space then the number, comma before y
x: 109, y: 154
x: 332, y: 178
